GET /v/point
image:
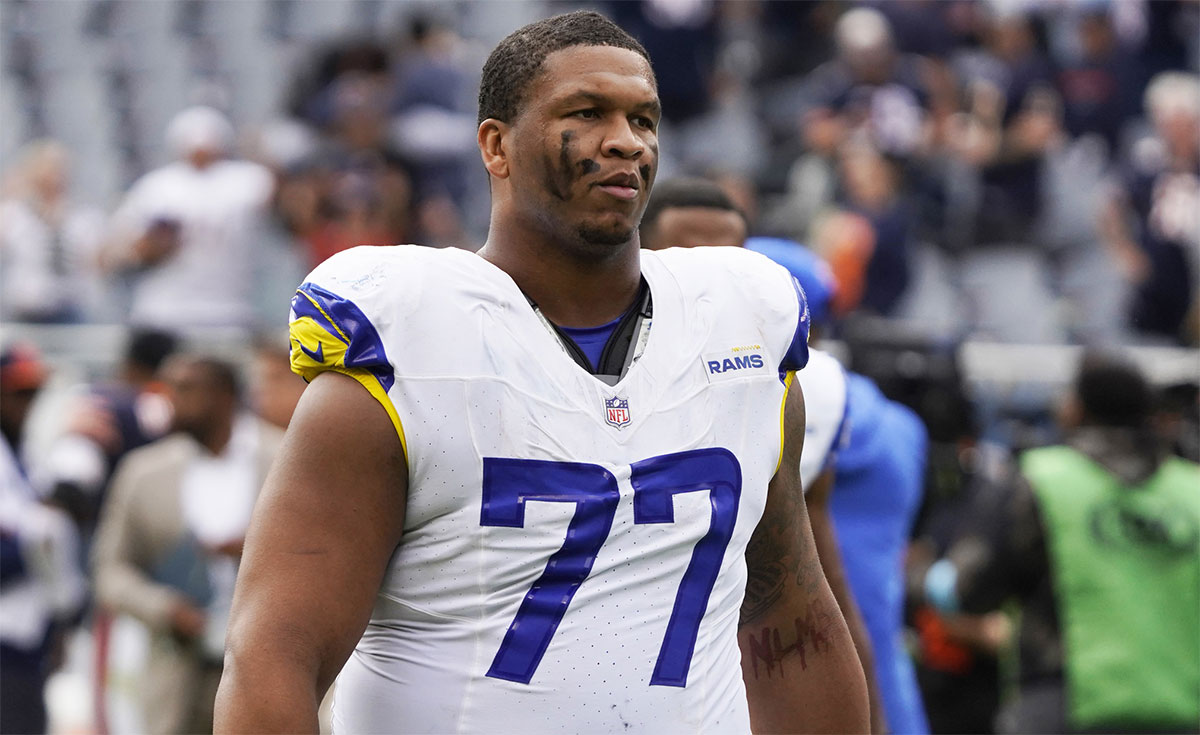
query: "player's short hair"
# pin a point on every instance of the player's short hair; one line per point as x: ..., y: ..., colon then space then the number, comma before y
x: 516, y: 61
x: 686, y: 192
x: 1112, y: 391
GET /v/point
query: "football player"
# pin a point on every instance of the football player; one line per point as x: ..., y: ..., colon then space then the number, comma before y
x: 551, y: 486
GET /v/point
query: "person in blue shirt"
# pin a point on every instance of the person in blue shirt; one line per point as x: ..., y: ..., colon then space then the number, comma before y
x: 879, y: 475
x: 878, y: 484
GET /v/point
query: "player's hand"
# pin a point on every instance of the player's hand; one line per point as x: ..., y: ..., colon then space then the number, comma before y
x: 187, y: 621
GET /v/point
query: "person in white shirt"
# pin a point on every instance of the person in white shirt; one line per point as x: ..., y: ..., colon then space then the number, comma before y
x: 167, y: 546
x: 186, y: 233
x: 49, y: 245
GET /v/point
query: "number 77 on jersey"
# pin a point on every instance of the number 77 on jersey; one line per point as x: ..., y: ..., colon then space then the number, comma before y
x: 509, y: 483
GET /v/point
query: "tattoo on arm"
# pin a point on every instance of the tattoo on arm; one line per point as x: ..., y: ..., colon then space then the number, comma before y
x: 812, y: 635
x: 775, y: 561
x: 764, y: 586
x: 781, y: 552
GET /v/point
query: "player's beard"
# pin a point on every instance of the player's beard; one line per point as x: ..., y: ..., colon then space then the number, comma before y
x: 588, y: 239
x: 605, y: 231
x: 604, y: 236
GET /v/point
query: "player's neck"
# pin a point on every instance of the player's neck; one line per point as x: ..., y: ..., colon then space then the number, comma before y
x: 570, y: 292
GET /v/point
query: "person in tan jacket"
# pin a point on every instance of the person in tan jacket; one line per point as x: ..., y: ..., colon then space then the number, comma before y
x: 170, y: 537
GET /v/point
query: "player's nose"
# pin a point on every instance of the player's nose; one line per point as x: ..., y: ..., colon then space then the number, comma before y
x: 622, y: 141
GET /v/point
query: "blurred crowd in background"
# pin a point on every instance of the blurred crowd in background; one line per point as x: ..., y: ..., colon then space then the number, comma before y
x: 1019, y: 172
x: 1024, y: 171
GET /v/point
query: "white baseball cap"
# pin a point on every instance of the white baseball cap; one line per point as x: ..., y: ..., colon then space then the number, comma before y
x: 199, y: 128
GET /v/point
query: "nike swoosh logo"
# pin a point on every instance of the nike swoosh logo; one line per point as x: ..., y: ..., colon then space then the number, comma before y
x: 317, y: 355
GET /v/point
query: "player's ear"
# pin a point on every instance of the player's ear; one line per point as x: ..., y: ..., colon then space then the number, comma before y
x: 493, y: 138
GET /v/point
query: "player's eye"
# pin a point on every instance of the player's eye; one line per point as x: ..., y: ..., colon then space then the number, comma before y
x: 587, y: 114
x: 643, y: 122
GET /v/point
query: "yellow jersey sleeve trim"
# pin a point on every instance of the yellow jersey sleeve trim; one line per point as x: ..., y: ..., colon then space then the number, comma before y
x: 787, y: 387
x: 371, y: 383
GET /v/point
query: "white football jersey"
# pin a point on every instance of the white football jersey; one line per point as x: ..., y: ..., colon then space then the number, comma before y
x: 573, y: 552
x: 826, y: 428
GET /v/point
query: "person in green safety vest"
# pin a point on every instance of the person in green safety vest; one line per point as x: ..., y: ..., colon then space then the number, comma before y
x: 1099, y: 540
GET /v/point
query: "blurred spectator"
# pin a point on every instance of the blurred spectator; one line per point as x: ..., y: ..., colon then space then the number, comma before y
x: 285, y: 147
x: 1100, y: 85
x: 846, y: 241
x: 872, y: 191
x: 433, y: 127
x: 41, y: 584
x: 1013, y: 118
x: 312, y: 97
x: 355, y: 215
x: 112, y: 418
x: 1171, y: 37
x: 1098, y: 539
x: 49, y: 247
x: 359, y: 186
x: 870, y: 93
x: 683, y: 37
x: 434, y: 110
x: 1152, y: 219
x: 356, y: 189
x: 185, y: 232
x: 868, y: 130
x: 798, y: 37
x: 274, y: 388
x: 867, y: 95
x: 171, y: 534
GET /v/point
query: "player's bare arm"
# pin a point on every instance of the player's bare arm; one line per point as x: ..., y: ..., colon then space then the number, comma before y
x: 816, y: 502
x: 329, y: 517
x: 799, y: 663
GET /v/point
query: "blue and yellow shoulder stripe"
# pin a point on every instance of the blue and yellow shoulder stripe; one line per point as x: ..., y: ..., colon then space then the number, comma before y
x: 328, y: 332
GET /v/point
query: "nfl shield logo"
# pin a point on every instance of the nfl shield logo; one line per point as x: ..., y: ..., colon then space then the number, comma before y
x: 616, y: 411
